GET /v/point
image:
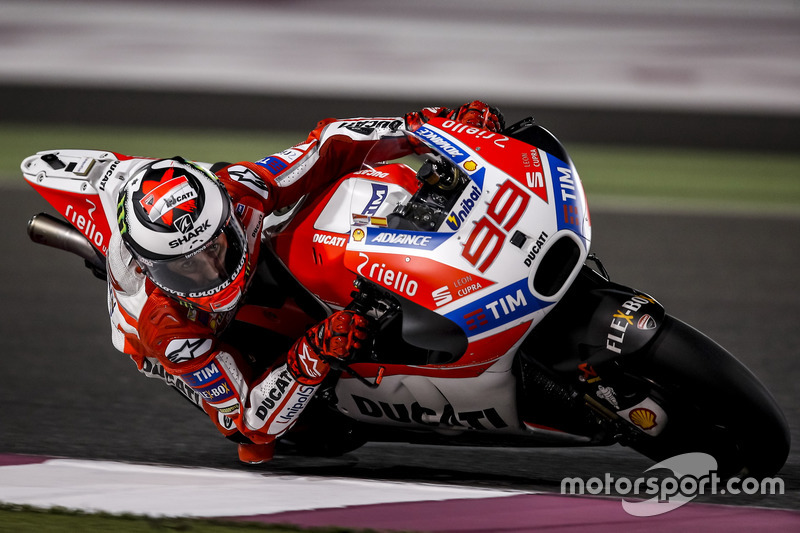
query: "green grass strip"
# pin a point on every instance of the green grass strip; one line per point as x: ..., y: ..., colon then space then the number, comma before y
x: 619, y: 177
x: 27, y: 519
x: 19, y: 141
x: 684, y: 179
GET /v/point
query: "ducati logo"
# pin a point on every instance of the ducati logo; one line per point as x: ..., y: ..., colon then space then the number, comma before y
x: 162, y: 197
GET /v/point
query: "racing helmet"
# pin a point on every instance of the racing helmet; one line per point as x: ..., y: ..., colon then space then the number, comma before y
x: 178, y: 222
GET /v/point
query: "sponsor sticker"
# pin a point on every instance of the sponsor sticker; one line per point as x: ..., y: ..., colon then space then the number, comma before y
x: 506, y: 305
x: 405, y: 239
x: 167, y: 196
x: 274, y: 164
x: 250, y: 179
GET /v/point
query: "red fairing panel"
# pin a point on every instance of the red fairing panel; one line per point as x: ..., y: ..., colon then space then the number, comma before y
x: 313, y: 252
x: 84, y: 211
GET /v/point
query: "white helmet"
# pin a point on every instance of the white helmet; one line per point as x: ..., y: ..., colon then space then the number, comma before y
x: 177, y: 220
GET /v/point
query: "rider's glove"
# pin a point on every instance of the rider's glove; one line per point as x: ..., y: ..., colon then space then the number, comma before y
x: 475, y: 113
x: 337, y: 336
x: 480, y: 115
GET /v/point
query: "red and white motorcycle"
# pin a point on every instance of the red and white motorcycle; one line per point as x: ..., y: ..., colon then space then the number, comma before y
x: 494, y: 325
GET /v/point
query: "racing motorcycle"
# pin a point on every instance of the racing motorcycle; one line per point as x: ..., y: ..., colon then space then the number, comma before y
x: 493, y: 324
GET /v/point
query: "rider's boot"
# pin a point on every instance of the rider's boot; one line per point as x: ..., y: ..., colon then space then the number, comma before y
x: 253, y: 454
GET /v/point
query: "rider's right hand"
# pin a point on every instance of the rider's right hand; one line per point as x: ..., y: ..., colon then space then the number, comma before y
x: 338, y: 336
x: 479, y: 115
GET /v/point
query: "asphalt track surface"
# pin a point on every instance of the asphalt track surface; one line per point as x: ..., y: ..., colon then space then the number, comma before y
x: 67, y: 393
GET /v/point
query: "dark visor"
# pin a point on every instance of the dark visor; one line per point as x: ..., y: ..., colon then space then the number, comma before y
x: 205, y: 270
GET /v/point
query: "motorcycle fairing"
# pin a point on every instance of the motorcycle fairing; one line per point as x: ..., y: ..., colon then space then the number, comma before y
x: 517, y: 208
x: 82, y: 185
x: 312, y: 243
x: 522, y: 206
x: 426, y: 282
x: 435, y: 402
x: 367, y: 195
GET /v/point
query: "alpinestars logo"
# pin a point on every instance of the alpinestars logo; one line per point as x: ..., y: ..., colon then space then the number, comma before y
x: 182, y: 350
x: 310, y: 364
x: 249, y: 178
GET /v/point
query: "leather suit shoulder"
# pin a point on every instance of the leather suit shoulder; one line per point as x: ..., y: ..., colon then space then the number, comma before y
x: 180, y: 337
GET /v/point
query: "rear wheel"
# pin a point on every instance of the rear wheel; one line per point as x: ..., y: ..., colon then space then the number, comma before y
x: 714, y: 405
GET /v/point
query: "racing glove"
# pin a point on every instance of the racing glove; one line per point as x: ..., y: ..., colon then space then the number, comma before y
x: 480, y: 115
x: 476, y: 113
x: 338, y: 336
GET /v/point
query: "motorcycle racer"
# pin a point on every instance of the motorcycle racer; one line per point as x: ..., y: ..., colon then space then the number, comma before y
x: 182, y: 259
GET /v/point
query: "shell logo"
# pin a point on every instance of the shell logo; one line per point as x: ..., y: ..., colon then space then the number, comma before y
x: 470, y: 166
x: 644, y: 418
x: 358, y: 235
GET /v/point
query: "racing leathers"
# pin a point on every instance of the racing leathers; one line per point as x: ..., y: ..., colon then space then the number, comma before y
x: 182, y: 345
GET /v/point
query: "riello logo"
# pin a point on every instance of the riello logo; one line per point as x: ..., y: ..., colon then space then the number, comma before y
x: 397, y: 280
x: 86, y: 224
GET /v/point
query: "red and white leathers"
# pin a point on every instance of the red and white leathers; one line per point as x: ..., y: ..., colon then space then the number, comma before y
x: 181, y: 345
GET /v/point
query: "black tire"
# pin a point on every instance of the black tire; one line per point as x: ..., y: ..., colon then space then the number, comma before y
x: 714, y: 405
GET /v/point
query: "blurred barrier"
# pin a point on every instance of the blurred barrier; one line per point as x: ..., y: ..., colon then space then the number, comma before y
x: 274, y: 112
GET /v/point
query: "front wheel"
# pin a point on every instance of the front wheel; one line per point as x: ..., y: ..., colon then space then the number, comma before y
x: 714, y: 404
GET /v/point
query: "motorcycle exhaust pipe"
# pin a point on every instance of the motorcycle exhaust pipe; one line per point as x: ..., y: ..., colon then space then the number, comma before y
x: 56, y: 233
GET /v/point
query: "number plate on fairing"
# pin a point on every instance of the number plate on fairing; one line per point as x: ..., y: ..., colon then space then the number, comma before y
x: 478, y: 268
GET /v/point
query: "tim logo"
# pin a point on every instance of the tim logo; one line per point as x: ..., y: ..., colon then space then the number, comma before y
x: 510, y: 304
x: 476, y: 319
x: 379, y: 193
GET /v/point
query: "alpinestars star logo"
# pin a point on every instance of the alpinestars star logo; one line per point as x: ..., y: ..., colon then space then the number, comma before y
x: 182, y: 350
x: 249, y: 178
x: 309, y: 362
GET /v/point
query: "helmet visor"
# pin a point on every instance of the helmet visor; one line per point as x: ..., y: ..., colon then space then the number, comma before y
x: 205, y: 271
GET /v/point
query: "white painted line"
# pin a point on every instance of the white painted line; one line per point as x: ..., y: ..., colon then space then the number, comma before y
x: 103, y: 486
